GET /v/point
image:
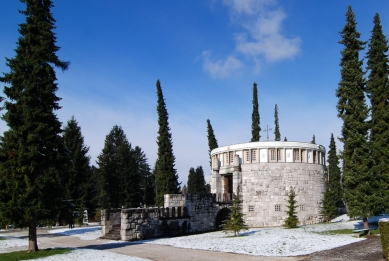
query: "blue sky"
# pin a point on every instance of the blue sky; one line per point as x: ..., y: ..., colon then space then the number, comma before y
x: 207, y: 54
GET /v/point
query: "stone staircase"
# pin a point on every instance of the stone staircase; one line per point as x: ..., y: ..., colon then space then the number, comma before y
x: 113, y: 234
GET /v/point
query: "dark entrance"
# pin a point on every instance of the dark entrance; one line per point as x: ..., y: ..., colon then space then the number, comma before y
x: 221, y: 216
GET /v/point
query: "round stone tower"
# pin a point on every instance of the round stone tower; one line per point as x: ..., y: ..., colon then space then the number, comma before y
x: 265, y: 172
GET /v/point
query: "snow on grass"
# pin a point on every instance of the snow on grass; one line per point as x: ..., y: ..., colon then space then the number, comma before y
x: 83, y: 233
x: 11, y: 244
x: 89, y: 254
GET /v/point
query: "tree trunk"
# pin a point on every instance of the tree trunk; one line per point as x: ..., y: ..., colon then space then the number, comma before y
x: 365, y: 223
x: 32, y: 238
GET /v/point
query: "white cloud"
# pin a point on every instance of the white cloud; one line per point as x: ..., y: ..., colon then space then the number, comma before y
x: 262, y: 38
x: 220, y: 68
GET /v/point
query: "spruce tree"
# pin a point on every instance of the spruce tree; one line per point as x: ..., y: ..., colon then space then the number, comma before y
x: 118, y: 172
x: 313, y: 141
x: 32, y: 151
x: 235, y: 221
x: 334, y: 173
x: 378, y: 92
x: 352, y: 109
x: 292, y: 220
x: 277, y: 133
x: 166, y: 178
x: 76, y: 179
x: 147, y: 177
x: 192, y: 181
x: 212, y: 141
x: 255, y: 128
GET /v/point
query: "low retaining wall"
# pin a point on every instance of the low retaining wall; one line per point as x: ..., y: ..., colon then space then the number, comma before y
x: 182, y: 214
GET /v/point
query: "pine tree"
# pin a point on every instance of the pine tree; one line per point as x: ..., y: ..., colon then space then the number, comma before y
x: 292, y: 220
x: 212, y: 141
x: 32, y: 151
x: 277, y: 133
x: 118, y: 172
x: 76, y: 178
x: 378, y: 92
x: 352, y: 109
x: 255, y: 128
x: 147, y: 177
x: 334, y: 173
x: 235, y: 221
x: 166, y: 178
x: 313, y: 140
x: 328, y: 208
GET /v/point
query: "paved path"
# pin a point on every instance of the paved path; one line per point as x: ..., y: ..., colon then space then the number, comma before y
x: 366, y: 250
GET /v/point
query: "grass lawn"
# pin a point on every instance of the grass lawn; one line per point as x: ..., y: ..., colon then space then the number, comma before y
x: 23, y: 255
x: 348, y: 231
x: 2, y: 238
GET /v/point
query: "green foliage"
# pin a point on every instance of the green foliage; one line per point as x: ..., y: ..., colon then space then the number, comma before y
x: 98, y: 214
x: 196, y: 181
x: 212, y: 141
x: 32, y: 150
x: 76, y: 178
x: 334, y: 173
x: 384, y: 234
x: 255, y: 128
x: 277, y: 133
x: 118, y: 172
x: 23, y: 255
x: 147, y: 177
x: 328, y: 208
x: 285, y: 139
x: 377, y: 88
x: 313, y: 140
x: 234, y: 221
x: 292, y: 220
x: 166, y: 177
x: 359, y: 184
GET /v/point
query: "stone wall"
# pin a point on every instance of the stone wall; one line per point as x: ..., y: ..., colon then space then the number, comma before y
x: 182, y: 214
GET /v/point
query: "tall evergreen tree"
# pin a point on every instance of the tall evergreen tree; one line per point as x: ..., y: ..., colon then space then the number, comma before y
x: 328, y: 208
x: 334, y: 173
x: 147, y: 177
x: 378, y: 92
x: 255, y: 128
x: 352, y: 109
x: 212, y: 141
x: 32, y: 149
x: 76, y: 179
x: 118, y: 172
x: 192, y: 181
x: 166, y: 178
x: 277, y: 133
x: 201, y: 185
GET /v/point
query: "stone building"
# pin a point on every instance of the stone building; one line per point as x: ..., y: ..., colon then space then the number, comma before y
x: 264, y: 172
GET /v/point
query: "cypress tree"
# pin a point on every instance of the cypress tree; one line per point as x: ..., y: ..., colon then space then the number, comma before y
x: 334, y: 174
x: 255, y: 128
x: 378, y: 92
x: 277, y: 133
x: 77, y: 176
x: 212, y: 141
x: 32, y: 149
x: 147, y: 177
x: 166, y: 178
x: 200, y: 180
x: 285, y: 139
x: 352, y: 109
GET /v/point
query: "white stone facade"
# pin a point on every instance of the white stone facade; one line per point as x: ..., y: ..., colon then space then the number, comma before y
x: 264, y: 172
